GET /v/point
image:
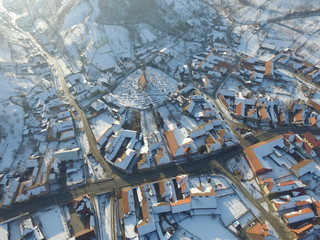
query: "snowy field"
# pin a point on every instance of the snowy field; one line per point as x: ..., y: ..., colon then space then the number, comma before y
x: 284, y: 23
x: 12, y: 86
x: 11, y: 128
x: 145, y: 32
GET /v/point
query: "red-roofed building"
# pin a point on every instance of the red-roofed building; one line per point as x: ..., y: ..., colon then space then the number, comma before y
x: 179, y: 143
x: 260, y: 232
x: 298, y: 216
x: 269, y: 70
x: 314, y: 105
x: 311, y: 140
x: 302, y: 231
x: 256, y: 152
x: 304, y: 167
x: 181, y: 205
x: 239, y: 109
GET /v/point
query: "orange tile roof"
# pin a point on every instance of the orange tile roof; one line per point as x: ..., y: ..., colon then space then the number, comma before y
x: 286, y: 183
x: 301, y: 164
x: 182, y: 201
x: 250, y: 112
x: 297, y: 213
x: 253, y: 160
x: 317, y: 207
x: 223, y: 100
x: 263, y: 113
x: 311, y: 139
x: 252, y: 157
x: 269, y: 67
x: 209, y: 140
x: 314, y: 105
x: 187, y: 107
x: 302, y: 229
x: 162, y: 188
x: 239, y: 109
x: 125, y: 204
x: 142, y: 81
x: 172, y: 142
x: 258, y: 232
x: 182, y: 182
x: 307, y: 147
x: 298, y: 117
x: 142, y: 160
x: 221, y: 133
x: 302, y: 203
x: 282, y: 118
x: 159, y: 155
x: 313, y: 121
x: 144, y: 206
x: 269, y: 183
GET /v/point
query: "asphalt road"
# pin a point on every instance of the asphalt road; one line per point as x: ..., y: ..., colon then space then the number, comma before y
x: 66, y: 195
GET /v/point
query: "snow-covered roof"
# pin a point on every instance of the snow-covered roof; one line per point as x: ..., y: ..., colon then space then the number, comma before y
x: 286, y: 202
x: 256, y: 153
x: 4, y: 231
x: 300, y: 215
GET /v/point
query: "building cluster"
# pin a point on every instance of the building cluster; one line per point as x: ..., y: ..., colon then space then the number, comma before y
x: 27, y: 227
x: 169, y: 140
x: 155, y: 210
x: 74, y: 219
x: 48, y: 122
x: 260, y: 231
x: 44, y: 174
x: 49, y: 115
x: 209, y: 67
x: 287, y: 169
x: 85, y: 92
x: 296, y: 63
x: 270, y: 110
x: 83, y: 207
x: 253, y: 71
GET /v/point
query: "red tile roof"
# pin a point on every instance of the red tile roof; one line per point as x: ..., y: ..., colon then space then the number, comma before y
x: 239, y: 109
x: 311, y: 140
x: 252, y: 157
x: 182, y: 201
x: 297, y: 213
x: 314, y: 105
x: 258, y: 232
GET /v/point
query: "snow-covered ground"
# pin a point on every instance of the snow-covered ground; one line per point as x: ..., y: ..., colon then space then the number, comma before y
x: 277, y: 22
x: 11, y: 129
x: 103, y: 202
